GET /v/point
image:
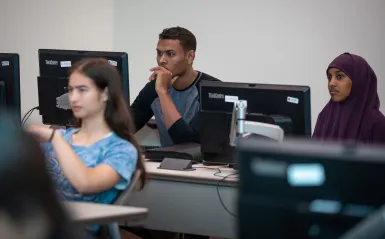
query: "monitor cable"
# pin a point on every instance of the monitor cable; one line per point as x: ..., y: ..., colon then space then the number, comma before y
x: 223, y: 178
x: 219, y: 195
x: 28, y: 114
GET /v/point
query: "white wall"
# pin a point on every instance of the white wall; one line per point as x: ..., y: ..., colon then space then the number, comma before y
x: 27, y: 26
x: 283, y: 42
x: 275, y: 41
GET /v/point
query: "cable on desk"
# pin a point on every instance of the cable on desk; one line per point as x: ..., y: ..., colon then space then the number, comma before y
x: 219, y: 195
x: 223, y: 178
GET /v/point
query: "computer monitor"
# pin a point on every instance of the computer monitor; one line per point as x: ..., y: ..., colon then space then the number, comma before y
x: 53, y: 81
x: 3, y: 101
x: 285, y: 105
x: 10, y: 84
x: 305, y: 188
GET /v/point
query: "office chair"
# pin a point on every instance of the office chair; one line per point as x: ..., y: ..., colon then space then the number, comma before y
x: 125, y: 195
x: 112, y: 230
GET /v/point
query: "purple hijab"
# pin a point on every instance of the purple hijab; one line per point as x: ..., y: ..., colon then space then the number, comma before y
x: 358, y: 118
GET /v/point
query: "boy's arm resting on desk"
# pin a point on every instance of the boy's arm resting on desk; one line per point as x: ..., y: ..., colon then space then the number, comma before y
x: 169, y: 110
x: 182, y: 132
x: 179, y: 130
x: 141, y: 107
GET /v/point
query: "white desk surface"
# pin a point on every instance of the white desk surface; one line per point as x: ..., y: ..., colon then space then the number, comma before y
x: 89, y: 214
x: 201, y: 174
x: 190, y: 201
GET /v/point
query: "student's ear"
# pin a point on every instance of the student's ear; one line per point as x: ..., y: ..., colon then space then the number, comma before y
x: 105, y: 95
x: 190, y: 57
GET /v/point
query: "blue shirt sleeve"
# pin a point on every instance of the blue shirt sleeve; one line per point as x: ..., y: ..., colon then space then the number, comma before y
x: 122, y: 156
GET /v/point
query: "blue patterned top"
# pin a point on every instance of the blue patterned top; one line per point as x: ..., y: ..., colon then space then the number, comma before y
x: 112, y: 150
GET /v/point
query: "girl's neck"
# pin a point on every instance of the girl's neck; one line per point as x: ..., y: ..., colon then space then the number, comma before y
x: 94, y: 127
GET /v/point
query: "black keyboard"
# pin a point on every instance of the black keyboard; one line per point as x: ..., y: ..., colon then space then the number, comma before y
x: 147, y: 147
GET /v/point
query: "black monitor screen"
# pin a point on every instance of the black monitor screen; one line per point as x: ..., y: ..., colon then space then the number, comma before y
x: 285, y: 105
x: 3, y: 100
x: 306, y: 189
x: 53, y: 80
x: 10, y: 80
x: 285, y: 100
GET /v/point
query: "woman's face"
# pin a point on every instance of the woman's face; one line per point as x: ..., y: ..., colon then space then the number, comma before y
x: 85, y: 98
x: 340, y: 85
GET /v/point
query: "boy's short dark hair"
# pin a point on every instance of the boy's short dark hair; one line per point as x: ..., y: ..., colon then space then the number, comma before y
x: 185, y: 37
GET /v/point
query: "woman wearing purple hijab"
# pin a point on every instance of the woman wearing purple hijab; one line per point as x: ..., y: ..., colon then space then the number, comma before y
x: 353, y: 112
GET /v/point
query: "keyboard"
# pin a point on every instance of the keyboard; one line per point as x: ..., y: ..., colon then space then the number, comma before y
x: 147, y: 147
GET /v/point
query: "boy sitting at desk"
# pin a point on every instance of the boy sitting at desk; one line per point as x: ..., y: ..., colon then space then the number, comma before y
x: 172, y: 94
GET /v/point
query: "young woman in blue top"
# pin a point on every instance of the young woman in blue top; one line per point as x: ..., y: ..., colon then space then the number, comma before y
x: 94, y: 160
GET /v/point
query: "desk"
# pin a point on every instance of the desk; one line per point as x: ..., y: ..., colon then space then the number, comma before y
x: 148, y: 136
x: 188, y: 202
x: 88, y: 214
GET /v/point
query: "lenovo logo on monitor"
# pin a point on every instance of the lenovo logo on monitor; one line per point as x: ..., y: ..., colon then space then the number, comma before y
x: 51, y: 62
x: 216, y: 96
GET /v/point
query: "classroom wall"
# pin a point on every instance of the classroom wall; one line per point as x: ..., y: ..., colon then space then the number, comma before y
x: 27, y: 26
x: 275, y: 41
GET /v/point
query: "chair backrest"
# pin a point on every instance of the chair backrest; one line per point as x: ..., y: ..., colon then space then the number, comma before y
x: 112, y: 229
x: 125, y: 195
